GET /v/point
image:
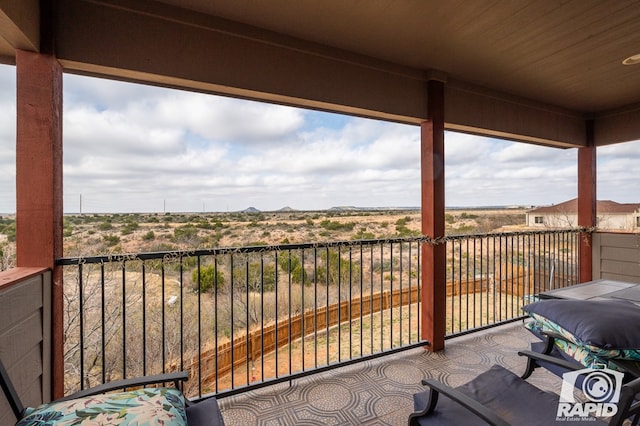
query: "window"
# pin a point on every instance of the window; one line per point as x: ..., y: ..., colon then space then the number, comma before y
x: 637, y: 221
x: 538, y: 219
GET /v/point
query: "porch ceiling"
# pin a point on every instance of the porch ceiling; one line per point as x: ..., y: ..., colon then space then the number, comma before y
x: 528, y: 70
x: 565, y: 53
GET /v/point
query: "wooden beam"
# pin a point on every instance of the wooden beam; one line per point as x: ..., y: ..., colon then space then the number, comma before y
x: 433, y: 256
x: 478, y: 110
x: 617, y: 126
x: 39, y: 181
x: 587, y: 201
x: 18, y: 25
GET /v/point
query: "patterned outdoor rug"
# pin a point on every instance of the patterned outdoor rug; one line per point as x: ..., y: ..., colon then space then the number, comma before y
x: 379, y: 392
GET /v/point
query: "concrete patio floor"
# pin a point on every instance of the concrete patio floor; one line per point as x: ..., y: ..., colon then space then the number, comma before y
x: 379, y: 392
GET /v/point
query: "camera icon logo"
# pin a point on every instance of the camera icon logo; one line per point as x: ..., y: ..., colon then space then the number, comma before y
x: 601, y: 388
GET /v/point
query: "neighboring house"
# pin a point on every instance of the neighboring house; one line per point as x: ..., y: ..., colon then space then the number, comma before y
x: 610, y: 215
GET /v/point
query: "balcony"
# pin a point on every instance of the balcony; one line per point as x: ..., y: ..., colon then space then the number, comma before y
x: 333, y: 66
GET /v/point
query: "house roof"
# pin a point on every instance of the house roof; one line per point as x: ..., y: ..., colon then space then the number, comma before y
x: 602, y: 206
x: 531, y: 70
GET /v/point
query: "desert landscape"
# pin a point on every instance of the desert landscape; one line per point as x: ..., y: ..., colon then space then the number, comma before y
x: 94, y: 234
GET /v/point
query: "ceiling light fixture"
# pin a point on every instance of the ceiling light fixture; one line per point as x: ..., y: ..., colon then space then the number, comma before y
x: 632, y: 60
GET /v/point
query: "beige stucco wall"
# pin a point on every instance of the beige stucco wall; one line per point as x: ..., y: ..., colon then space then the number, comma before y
x: 617, y: 222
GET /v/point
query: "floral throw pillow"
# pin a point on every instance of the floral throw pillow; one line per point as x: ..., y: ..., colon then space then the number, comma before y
x: 143, y: 407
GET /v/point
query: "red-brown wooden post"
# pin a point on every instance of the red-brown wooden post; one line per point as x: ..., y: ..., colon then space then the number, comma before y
x: 39, y: 181
x: 587, y: 201
x: 433, y: 256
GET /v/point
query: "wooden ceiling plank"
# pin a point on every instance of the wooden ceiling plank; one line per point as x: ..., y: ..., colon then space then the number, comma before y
x: 18, y: 27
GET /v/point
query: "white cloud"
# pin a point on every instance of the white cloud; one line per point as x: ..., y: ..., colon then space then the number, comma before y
x: 525, y: 153
x: 130, y: 148
x: 225, y: 119
x: 464, y: 149
x: 617, y: 167
x: 7, y: 139
x: 504, y: 173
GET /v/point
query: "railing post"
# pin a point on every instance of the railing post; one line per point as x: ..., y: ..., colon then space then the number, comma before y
x: 434, y: 256
x: 587, y: 201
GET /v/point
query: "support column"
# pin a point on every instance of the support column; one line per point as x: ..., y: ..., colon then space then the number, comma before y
x: 587, y: 201
x: 433, y: 256
x: 39, y: 181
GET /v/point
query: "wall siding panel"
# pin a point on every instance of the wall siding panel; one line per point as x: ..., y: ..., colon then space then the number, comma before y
x: 622, y: 240
x: 616, y: 256
x: 21, y: 339
x: 25, y: 339
x: 619, y: 253
x: 25, y: 298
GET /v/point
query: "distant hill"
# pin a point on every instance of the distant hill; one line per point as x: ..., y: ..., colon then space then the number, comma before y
x: 287, y: 209
x: 250, y: 210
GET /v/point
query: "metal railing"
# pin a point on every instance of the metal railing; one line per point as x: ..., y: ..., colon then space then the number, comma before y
x: 490, y: 277
x: 239, y: 318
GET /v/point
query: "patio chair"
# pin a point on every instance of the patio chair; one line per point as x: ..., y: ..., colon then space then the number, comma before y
x: 149, y: 403
x: 547, y: 347
x: 499, y: 397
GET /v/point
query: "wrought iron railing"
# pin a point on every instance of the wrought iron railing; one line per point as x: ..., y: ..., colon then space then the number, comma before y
x: 239, y: 318
x: 491, y: 276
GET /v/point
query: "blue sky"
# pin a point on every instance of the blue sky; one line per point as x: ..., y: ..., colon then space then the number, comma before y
x: 135, y: 148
